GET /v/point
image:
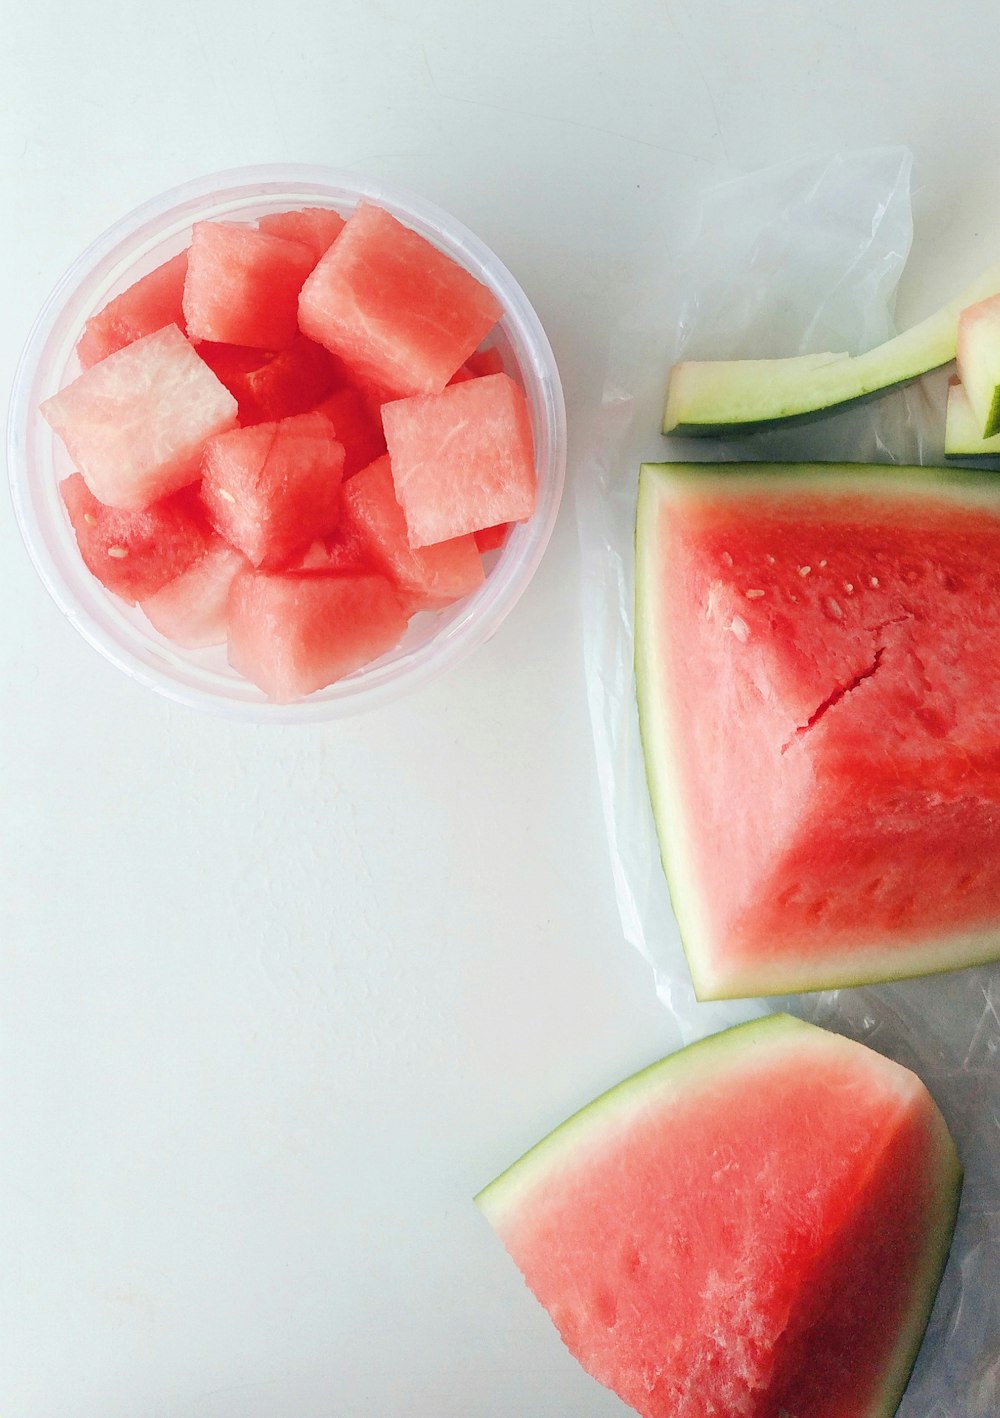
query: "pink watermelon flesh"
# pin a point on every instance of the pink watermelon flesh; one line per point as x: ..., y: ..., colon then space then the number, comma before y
x: 273, y: 488
x: 819, y: 691
x: 315, y: 227
x: 755, y: 1226
x: 425, y: 578
x: 463, y: 459
x: 296, y: 632
x: 192, y: 609
x: 148, y: 305
x: 136, y: 424
x: 135, y: 553
x: 481, y: 362
x: 357, y: 428
x: 491, y: 538
x: 242, y: 286
x: 399, y: 312
x: 273, y: 385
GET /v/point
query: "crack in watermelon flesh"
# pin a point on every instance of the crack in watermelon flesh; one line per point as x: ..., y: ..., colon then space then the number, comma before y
x: 820, y: 707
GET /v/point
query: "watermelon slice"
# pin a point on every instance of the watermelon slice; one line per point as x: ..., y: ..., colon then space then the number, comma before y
x: 296, y: 632
x: 316, y: 227
x: 135, y: 553
x: 273, y: 488
x: 152, y: 302
x: 397, y: 310
x: 136, y: 424
x: 819, y: 693
x: 192, y: 609
x: 754, y: 1227
x: 242, y: 286
x: 463, y: 459
x: 425, y: 577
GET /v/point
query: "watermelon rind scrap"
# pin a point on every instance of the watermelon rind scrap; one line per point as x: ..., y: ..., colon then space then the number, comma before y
x: 711, y: 397
x: 865, y: 962
x: 712, y: 1066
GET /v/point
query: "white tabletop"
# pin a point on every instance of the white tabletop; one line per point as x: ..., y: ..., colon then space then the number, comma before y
x: 275, y: 1003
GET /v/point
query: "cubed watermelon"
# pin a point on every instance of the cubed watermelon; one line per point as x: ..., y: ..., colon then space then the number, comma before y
x: 481, y: 362
x: 242, y: 286
x: 295, y: 632
x: 425, y: 577
x: 316, y: 227
x: 147, y: 305
x: 135, y: 553
x: 491, y: 538
x: 396, y: 309
x: 275, y: 487
x: 462, y: 460
x: 192, y: 609
x: 136, y: 424
x: 357, y: 428
x: 269, y: 386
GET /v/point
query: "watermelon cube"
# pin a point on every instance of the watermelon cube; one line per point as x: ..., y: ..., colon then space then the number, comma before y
x: 269, y: 386
x: 492, y: 538
x: 192, y: 609
x: 135, y: 553
x: 242, y: 286
x: 357, y: 428
x: 273, y: 488
x: 462, y: 460
x: 136, y: 424
x: 148, y: 305
x: 316, y: 227
x: 481, y: 362
x: 425, y: 577
x: 295, y: 632
x: 397, y: 310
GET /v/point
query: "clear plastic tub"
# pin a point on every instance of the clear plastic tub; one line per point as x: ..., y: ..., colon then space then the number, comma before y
x: 37, y: 460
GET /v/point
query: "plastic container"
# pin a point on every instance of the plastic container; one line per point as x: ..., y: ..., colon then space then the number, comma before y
x: 37, y: 461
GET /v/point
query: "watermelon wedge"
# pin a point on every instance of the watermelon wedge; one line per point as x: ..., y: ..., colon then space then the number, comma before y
x: 819, y: 698
x: 755, y: 1226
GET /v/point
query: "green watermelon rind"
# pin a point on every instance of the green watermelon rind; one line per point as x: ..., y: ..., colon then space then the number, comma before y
x: 700, y: 1064
x: 712, y: 397
x: 863, y: 964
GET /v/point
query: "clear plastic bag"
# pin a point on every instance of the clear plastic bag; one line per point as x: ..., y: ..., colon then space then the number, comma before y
x: 798, y: 259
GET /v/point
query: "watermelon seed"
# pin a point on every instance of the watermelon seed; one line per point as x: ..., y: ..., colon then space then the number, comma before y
x: 118, y: 552
x: 873, y: 581
x: 90, y: 519
x: 849, y: 587
x: 739, y: 628
x: 753, y: 595
x: 769, y: 559
x: 227, y: 495
x: 822, y: 563
x: 804, y: 570
x: 835, y: 608
x: 727, y: 559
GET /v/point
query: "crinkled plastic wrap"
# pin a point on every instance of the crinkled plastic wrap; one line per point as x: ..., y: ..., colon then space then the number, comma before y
x: 795, y: 260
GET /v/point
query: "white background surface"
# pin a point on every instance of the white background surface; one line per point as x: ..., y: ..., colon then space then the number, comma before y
x: 275, y: 1003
